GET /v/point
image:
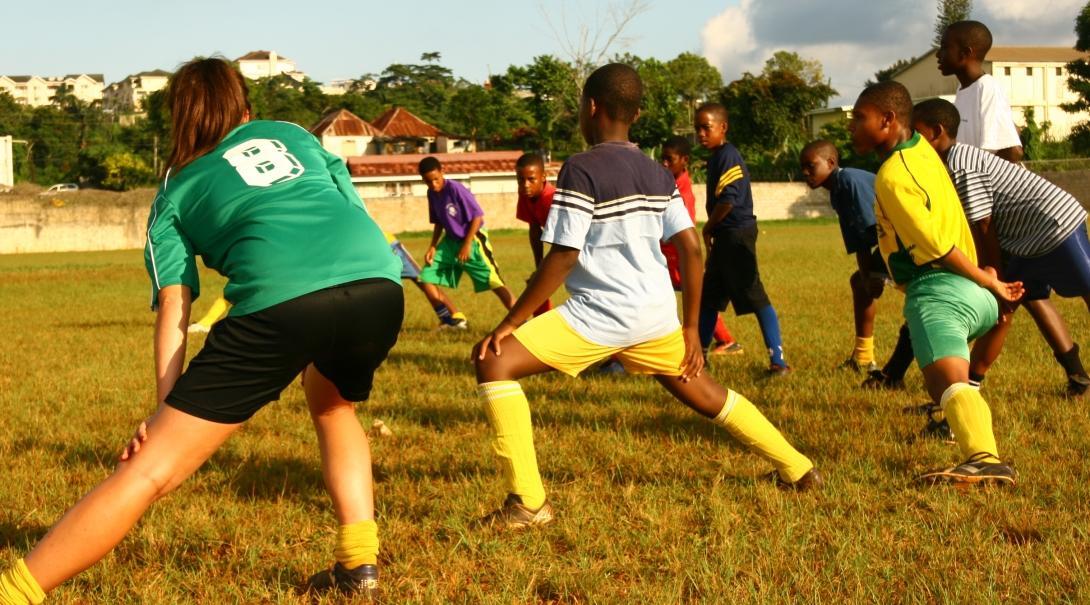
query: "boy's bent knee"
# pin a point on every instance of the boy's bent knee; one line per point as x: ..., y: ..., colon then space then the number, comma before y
x: 150, y: 480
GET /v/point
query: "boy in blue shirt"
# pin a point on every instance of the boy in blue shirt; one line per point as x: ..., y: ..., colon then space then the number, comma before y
x: 731, y: 274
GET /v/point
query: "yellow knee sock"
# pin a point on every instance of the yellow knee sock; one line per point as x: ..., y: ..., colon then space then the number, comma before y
x: 509, y: 413
x: 971, y: 420
x: 357, y: 544
x: 219, y: 308
x: 864, y: 350
x: 747, y: 424
x: 18, y: 587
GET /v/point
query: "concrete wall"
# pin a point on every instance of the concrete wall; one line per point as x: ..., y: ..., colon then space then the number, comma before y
x: 106, y: 221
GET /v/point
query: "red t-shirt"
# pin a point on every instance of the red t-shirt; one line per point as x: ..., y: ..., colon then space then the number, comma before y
x: 685, y: 188
x: 536, y: 210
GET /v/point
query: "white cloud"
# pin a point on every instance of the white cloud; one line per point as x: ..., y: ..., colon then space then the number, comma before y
x: 855, y: 38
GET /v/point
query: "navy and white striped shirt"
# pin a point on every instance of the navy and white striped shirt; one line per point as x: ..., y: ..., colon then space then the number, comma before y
x: 1030, y: 215
x: 614, y: 204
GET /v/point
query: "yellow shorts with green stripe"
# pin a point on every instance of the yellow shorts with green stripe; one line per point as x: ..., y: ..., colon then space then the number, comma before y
x: 446, y: 270
x: 552, y: 341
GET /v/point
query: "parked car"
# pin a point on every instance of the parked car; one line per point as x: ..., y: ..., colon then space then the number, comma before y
x: 61, y: 188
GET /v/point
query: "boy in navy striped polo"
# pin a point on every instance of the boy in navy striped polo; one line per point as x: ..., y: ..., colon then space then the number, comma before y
x: 1025, y: 227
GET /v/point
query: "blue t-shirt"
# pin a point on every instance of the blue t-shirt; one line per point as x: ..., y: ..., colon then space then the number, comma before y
x: 728, y: 183
x: 454, y: 207
x: 852, y: 197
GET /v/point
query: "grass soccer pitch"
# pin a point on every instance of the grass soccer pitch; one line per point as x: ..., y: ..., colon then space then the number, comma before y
x: 655, y: 505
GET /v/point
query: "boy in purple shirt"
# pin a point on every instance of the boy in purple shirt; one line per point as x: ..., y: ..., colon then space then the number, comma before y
x: 458, y: 243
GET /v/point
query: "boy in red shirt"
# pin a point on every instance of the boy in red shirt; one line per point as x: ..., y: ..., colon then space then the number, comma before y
x: 675, y: 158
x: 535, y: 199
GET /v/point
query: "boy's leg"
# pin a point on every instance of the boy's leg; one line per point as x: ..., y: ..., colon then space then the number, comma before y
x: 505, y: 296
x: 177, y: 445
x: 1054, y: 329
x: 864, y: 307
x: 970, y: 418
x: 742, y: 420
x: 770, y: 330
x: 443, y: 306
x: 722, y: 334
x: 346, y: 470
x: 509, y: 414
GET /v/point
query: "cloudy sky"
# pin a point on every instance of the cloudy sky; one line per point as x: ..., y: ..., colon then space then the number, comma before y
x: 855, y: 38
x: 348, y: 38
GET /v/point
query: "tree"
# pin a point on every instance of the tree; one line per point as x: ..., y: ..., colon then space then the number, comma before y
x: 1078, y: 81
x: 768, y: 111
x: 885, y: 75
x: 587, y: 48
x: 486, y: 114
x: 950, y: 11
x: 552, y: 99
x: 662, y: 110
x: 281, y: 97
x: 695, y: 81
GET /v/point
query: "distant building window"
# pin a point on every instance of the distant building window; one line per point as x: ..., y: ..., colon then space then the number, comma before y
x: 392, y: 189
x: 1006, y: 71
x: 1029, y: 71
x: 1059, y: 71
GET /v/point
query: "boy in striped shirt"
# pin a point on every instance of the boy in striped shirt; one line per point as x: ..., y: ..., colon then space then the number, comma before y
x: 1016, y: 215
x: 612, y: 208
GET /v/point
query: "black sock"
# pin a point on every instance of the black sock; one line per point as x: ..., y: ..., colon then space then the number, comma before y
x: 1071, y: 362
x: 901, y: 358
x: 975, y: 380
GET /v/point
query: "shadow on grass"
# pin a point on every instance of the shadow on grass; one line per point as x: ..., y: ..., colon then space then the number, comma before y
x: 108, y: 323
x: 270, y: 478
x: 20, y: 536
x: 436, y: 362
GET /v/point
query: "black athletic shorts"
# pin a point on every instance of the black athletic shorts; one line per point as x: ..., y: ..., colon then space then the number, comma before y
x: 731, y: 275
x: 345, y: 331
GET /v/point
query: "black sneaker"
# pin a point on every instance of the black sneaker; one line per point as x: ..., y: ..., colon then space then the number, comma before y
x: 877, y: 380
x: 974, y: 471
x: 938, y: 430
x: 776, y: 370
x: 854, y: 366
x: 811, y: 480
x: 1077, y: 385
x: 516, y: 515
x: 924, y: 409
x: 362, y: 581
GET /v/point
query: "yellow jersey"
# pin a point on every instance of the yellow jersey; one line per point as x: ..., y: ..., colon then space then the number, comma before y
x: 920, y: 219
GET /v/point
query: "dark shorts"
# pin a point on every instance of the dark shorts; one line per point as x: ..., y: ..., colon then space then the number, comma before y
x: 731, y: 275
x: 345, y: 331
x: 1065, y: 270
x: 878, y: 269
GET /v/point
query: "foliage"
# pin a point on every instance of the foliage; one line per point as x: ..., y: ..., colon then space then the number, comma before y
x: 950, y: 11
x: 837, y: 133
x: 552, y: 99
x: 768, y: 112
x: 1078, y: 81
x: 884, y: 75
x: 125, y: 171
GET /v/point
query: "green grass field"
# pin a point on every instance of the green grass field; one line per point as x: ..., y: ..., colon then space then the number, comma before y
x: 656, y: 505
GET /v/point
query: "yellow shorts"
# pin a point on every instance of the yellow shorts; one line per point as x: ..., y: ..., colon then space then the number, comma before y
x: 550, y: 339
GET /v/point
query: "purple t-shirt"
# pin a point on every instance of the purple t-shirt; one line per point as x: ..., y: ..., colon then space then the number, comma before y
x: 454, y: 208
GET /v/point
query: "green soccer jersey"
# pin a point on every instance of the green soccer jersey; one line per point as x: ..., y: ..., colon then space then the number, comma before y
x: 270, y: 210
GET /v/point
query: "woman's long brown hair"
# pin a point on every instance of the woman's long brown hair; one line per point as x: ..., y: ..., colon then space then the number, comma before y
x: 207, y: 98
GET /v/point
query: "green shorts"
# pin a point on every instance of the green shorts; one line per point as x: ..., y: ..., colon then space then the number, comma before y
x: 944, y: 312
x: 446, y: 271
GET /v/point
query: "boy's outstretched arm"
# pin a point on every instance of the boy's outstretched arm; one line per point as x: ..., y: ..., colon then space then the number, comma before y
x: 549, y: 276
x: 987, y: 243
x: 536, y: 246
x: 1011, y: 154
x: 957, y: 262
x: 692, y: 282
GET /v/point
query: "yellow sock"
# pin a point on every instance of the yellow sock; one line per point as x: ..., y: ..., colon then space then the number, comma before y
x: 864, y: 350
x: 357, y: 544
x: 18, y: 587
x: 219, y: 308
x: 747, y: 424
x: 971, y: 420
x: 509, y: 413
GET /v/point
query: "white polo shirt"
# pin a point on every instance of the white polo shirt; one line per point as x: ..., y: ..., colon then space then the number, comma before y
x: 986, y: 118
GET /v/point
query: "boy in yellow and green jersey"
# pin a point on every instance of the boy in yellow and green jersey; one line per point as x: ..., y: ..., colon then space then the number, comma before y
x: 929, y: 250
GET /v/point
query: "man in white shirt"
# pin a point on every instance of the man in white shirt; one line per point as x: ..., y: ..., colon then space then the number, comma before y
x: 986, y: 119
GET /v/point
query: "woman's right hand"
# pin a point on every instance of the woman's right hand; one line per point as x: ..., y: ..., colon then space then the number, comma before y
x: 429, y: 255
x: 138, y: 438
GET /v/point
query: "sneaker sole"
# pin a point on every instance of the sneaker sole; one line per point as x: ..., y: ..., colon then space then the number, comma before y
x: 964, y: 481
